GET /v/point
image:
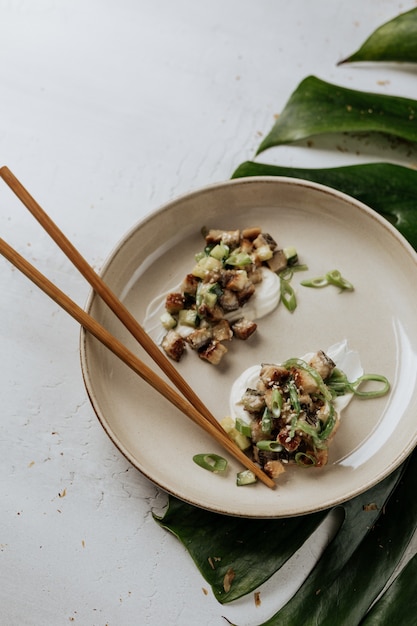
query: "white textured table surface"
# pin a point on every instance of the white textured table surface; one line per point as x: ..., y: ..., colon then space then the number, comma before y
x: 107, y: 110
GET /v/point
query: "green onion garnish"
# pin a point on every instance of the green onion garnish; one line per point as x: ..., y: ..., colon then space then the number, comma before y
x: 287, y: 295
x: 294, y: 397
x: 276, y: 402
x: 317, y: 283
x: 243, y: 427
x: 211, y: 462
x: 340, y: 385
x: 377, y: 393
x: 334, y: 277
x: 338, y: 382
x: 287, y: 292
x: 308, y: 429
x: 330, y: 423
x: 266, y: 423
x: 302, y: 457
x: 270, y: 446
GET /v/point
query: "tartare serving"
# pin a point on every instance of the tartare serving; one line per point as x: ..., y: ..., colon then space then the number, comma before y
x: 287, y: 414
x: 213, y: 304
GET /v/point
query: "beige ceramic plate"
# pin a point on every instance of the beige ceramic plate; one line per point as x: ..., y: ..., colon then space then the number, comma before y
x: 330, y: 231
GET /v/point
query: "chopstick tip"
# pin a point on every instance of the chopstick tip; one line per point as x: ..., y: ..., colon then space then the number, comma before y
x: 4, y: 170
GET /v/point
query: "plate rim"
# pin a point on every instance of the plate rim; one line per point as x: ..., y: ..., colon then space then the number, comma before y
x: 153, y: 214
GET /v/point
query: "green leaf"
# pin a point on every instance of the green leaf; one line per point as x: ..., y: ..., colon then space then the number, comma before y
x: 387, y: 188
x: 398, y: 605
x: 254, y: 549
x: 394, y: 41
x: 345, y: 597
x: 317, y: 107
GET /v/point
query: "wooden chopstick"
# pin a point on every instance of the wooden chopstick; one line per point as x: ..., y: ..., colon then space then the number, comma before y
x: 193, y: 407
x: 106, y: 293
x: 130, y: 359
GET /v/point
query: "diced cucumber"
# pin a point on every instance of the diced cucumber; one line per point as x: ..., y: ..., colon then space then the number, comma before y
x: 188, y: 317
x: 241, y: 440
x: 205, y: 265
x: 220, y: 251
x: 291, y: 255
x: 228, y: 424
x: 247, y: 477
x: 168, y: 321
x: 238, y: 259
x: 207, y: 294
x: 210, y: 299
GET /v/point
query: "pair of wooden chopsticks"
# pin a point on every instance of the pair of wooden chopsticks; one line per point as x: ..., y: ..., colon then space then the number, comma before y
x: 189, y: 403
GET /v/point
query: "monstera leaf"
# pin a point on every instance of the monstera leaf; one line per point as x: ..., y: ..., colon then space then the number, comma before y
x: 317, y: 107
x: 255, y: 549
x: 249, y: 549
x: 341, y: 591
x: 349, y: 584
x: 394, y: 41
x: 389, y: 189
x: 398, y: 605
x: 376, y: 527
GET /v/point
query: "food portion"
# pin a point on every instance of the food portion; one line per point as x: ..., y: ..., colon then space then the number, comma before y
x: 290, y: 414
x: 287, y: 414
x: 233, y: 282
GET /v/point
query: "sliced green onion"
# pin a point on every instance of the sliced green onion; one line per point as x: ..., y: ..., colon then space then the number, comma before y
x: 270, y: 446
x: 334, y: 277
x: 276, y: 402
x: 310, y: 430
x: 317, y: 283
x: 288, y: 295
x: 211, y: 462
x: 294, y: 397
x: 243, y: 427
x: 338, y: 382
x: 330, y: 423
x: 266, y: 423
x: 377, y: 393
x: 299, y: 267
x: 286, y: 274
x: 293, y: 426
x: 301, y: 457
x: 247, y: 477
x: 340, y: 385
